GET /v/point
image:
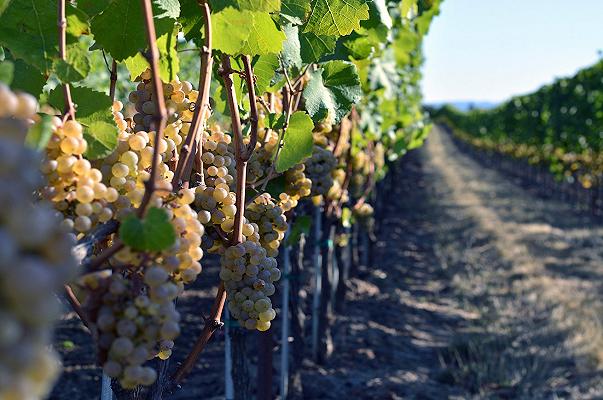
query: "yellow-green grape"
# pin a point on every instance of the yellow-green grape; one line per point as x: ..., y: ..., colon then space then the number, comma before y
x: 128, y: 168
x: 133, y: 326
x: 270, y: 220
x: 216, y: 208
x: 249, y: 276
x: 261, y: 159
x: 318, y: 169
x: 35, y: 262
x: 179, y: 97
x: 218, y: 158
x: 336, y: 191
x: 183, y: 259
x: 297, y: 183
x: 71, y: 178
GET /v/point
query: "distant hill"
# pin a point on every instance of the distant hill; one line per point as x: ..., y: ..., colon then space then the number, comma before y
x: 466, y: 105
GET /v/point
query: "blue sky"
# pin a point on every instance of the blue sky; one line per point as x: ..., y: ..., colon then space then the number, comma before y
x: 489, y: 50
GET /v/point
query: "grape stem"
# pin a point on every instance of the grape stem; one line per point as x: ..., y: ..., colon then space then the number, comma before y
x: 69, y: 111
x: 113, y: 80
x: 253, y: 118
x: 193, y: 143
x: 76, y: 306
x: 160, y: 116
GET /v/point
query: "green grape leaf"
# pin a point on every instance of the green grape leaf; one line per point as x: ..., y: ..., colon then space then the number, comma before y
x: 276, y: 186
x: 28, y: 79
x: 301, y: 226
x: 119, y: 29
x: 169, y: 63
x: 3, y: 5
x: 7, y: 70
x: 88, y: 101
x: 404, y: 44
x: 77, y: 22
x: 332, y: 90
x: 295, y: 11
x: 291, y: 52
x: 314, y: 47
x: 166, y: 9
x: 406, y: 6
x: 101, y: 137
x: 29, y: 30
x: 152, y: 233
x: 191, y: 20
x: 379, y: 19
x: 276, y: 121
x: 77, y: 65
x: 92, y: 7
x: 264, y: 69
x: 251, y: 5
x: 245, y: 32
x: 336, y: 17
x: 40, y: 133
x: 297, y: 142
x: 357, y: 47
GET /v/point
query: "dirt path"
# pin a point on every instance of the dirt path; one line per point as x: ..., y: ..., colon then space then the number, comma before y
x: 478, y: 290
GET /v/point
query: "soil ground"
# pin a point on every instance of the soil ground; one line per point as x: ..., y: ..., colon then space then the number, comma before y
x: 478, y: 289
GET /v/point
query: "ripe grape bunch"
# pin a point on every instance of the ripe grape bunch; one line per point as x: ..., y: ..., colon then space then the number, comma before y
x: 34, y: 263
x: 249, y: 277
x: 134, y: 325
x: 318, y: 168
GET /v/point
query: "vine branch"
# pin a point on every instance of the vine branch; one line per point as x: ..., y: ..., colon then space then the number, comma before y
x: 193, y: 143
x: 253, y: 119
x: 69, y: 111
x: 113, y: 80
x: 160, y: 116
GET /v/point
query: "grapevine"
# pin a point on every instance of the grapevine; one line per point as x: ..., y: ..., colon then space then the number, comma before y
x: 142, y: 169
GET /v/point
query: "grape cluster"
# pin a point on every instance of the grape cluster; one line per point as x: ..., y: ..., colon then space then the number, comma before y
x: 270, y: 220
x: 318, y: 169
x: 73, y: 184
x: 134, y: 321
x: 296, y: 182
x: 34, y: 263
x: 179, y: 99
x: 261, y: 160
x: 218, y: 158
x: 336, y: 191
x: 249, y: 277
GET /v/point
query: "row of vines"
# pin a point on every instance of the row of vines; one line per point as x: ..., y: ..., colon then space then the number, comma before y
x: 138, y: 137
x: 559, y: 127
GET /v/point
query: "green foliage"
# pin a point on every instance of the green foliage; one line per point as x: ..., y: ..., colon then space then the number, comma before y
x: 246, y: 32
x: 559, y: 125
x: 297, y: 142
x: 7, y: 70
x: 39, y: 134
x: 336, y: 17
x: 332, y: 90
x: 154, y: 232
